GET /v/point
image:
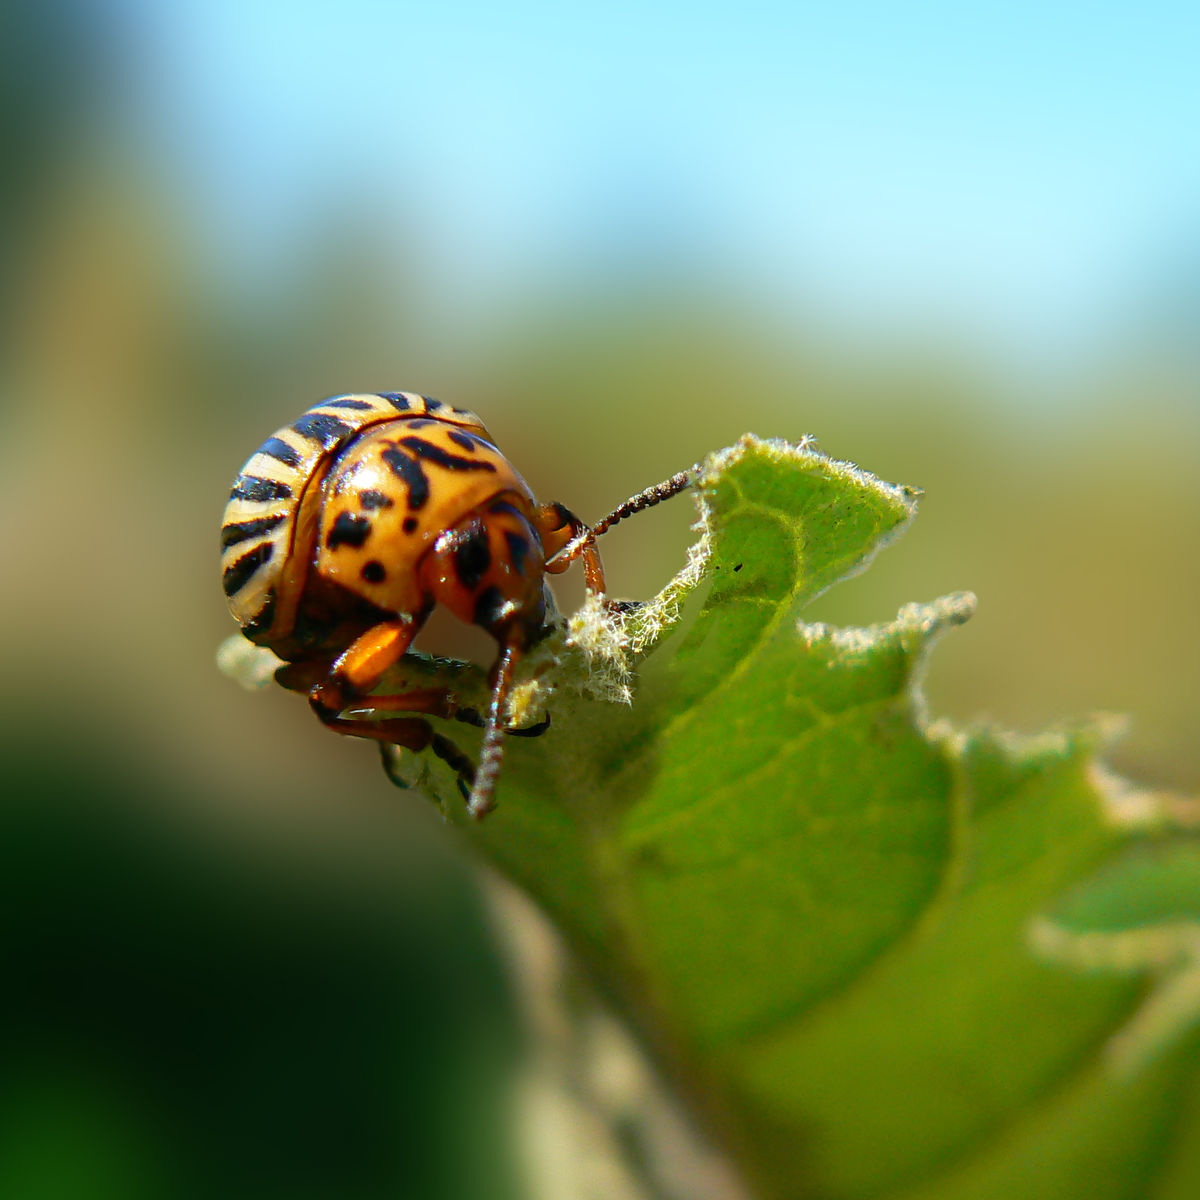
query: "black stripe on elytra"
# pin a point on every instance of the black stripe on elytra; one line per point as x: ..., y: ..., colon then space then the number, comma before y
x: 355, y: 405
x: 396, y: 400
x: 322, y: 428
x: 237, y: 574
x: 465, y: 440
x: 279, y: 450
x: 243, y: 531
x: 371, y: 499
x: 432, y: 405
x: 409, y: 472
x: 518, y: 549
x: 348, y: 530
x: 472, y: 554
x: 263, y: 619
x: 435, y: 454
x: 251, y: 487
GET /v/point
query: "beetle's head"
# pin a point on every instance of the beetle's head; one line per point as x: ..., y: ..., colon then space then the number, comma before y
x: 488, y: 570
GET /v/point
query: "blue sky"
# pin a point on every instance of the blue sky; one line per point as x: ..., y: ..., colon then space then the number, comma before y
x: 1036, y: 166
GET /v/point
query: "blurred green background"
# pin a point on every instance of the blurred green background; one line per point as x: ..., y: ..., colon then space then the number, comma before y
x: 962, y: 251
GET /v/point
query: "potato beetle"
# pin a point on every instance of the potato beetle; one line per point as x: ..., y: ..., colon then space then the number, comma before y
x: 346, y: 528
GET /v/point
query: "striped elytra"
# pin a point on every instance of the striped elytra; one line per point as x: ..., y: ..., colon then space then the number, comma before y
x: 260, y: 530
x: 346, y: 528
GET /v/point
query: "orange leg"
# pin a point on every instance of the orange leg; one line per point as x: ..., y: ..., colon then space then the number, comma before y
x: 437, y: 702
x: 338, y: 691
x: 359, y: 668
x: 477, y: 786
x: 339, y: 694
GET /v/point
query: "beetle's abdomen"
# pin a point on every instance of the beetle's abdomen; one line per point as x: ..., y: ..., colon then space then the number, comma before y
x: 265, y: 550
x: 390, y: 495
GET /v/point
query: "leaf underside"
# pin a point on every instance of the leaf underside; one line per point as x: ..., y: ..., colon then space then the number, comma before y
x: 880, y: 956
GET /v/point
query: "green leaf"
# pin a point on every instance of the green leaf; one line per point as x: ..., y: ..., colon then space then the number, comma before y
x: 877, y: 956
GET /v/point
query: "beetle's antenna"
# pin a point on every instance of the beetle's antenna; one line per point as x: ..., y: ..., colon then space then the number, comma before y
x: 646, y: 499
x: 635, y: 504
x: 491, y: 749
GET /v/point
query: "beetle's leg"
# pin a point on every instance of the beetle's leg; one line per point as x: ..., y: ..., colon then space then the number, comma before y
x: 446, y: 750
x: 468, y: 716
x: 342, y: 684
x: 306, y: 676
x: 361, y: 665
x: 491, y: 750
x: 413, y: 733
x: 437, y: 702
x: 441, y: 702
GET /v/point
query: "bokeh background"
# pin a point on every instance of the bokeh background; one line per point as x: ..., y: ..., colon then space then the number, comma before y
x: 959, y: 245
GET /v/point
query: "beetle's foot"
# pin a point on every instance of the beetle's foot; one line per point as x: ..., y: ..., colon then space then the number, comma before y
x: 328, y: 699
x: 391, y: 766
x: 470, y: 716
x: 457, y: 761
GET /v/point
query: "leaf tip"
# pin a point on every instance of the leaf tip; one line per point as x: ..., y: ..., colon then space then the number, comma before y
x: 1130, y: 806
x: 943, y: 613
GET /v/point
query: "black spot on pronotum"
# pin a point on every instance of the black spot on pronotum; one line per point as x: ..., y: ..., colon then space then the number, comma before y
x: 489, y: 607
x: 410, y: 524
x: 398, y: 401
x: 251, y: 487
x: 237, y: 574
x: 409, y: 472
x: 279, y: 450
x: 243, y: 531
x: 322, y: 428
x: 472, y: 554
x: 465, y: 440
x: 435, y: 454
x: 371, y: 499
x: 373, y: 571
x: 354, y: 405
x: 348, y: 530
x: 518, y: 549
